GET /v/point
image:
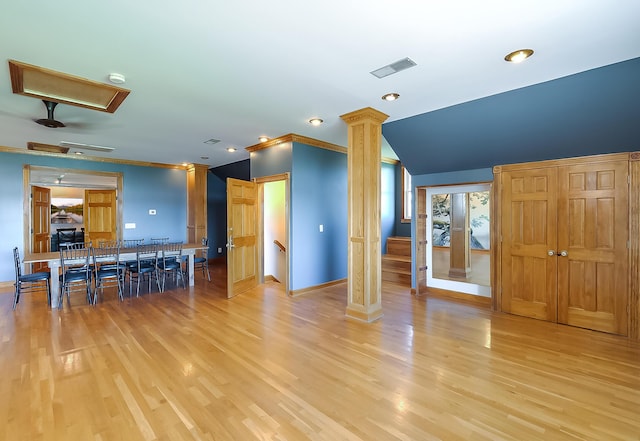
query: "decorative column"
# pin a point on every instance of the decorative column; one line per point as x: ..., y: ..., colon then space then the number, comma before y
x: 196, y: 202
x: 459, y: 266
x: 365, y: 261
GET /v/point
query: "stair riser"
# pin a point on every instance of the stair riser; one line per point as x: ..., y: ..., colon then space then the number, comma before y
x: 390, y: 265
x: 399, y: 247
x: 404, y: 279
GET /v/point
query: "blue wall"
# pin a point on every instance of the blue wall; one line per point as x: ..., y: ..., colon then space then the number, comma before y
x: 144, y: 188
x: 272, y: 161
x: 216, y: 215
x: 589, y: 113
x: 217, y: 203
x: 318, y: 196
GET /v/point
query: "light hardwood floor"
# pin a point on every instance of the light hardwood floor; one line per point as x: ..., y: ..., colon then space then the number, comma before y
x: 480, y: 262
x: 192, y: 365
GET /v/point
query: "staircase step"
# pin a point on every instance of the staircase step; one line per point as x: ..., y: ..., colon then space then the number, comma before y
x: 396, y: 263
x: 397, y: 277
x: 399, y: 246
x: 396, y: 258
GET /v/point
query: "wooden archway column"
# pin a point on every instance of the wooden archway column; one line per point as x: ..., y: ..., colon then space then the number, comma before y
x: 196, y: 202
x: 365, y: 264
x: 459, y: 259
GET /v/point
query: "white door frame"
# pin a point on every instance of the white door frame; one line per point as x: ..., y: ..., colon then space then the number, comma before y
x: 451, y: 285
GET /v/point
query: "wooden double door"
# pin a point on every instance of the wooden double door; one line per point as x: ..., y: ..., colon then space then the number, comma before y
x: 564, y: 241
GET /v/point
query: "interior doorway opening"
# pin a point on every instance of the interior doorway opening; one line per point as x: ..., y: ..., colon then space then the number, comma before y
x: 274, y: 231
x: 70, y: 186
x: 437, y: 235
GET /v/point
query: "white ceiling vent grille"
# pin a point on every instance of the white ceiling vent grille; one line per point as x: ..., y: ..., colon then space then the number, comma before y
x: 392, y: 68
x: 78, y: 146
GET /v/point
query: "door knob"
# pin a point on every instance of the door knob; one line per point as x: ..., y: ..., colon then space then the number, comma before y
x: 563, y: 253
x: 551, y: 253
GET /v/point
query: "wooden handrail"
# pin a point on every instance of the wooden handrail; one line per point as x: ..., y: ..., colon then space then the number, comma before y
x: 280, y: 246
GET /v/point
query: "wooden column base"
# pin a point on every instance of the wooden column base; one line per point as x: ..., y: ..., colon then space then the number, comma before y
x: 460, y: 273
x: 364, y: 316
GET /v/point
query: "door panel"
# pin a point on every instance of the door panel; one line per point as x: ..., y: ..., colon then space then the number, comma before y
x: 242, y: 233
x: 593, y: 230
x: 100, y: 208
x: 40, y: 223
x: 528, y: 233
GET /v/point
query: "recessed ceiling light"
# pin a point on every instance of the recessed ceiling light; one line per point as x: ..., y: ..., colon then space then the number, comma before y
x: 211, y: 141
x: 231, y: 149
x: 79, y: 153
x: 204, y: 157
x: 315, y: 121
x: 518, y: 56
x: 390, y: 96
x: 263, y: 138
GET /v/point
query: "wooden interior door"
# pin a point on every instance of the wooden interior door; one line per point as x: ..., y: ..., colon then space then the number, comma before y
x: 242, y: 232
x: 100, y: 214
x: 593, y: 227
x: 528, y: 220
x: 40, y: 223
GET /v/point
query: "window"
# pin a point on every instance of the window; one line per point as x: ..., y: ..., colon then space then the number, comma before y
x: 406, y: 196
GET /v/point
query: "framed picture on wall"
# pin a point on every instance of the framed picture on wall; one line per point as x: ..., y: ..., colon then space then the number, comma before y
x: 66, y: 211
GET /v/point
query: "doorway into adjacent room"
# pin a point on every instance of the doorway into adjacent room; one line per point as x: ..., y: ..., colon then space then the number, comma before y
x: 67, y: 199
x: 474, y: 274
x: 274, y: 220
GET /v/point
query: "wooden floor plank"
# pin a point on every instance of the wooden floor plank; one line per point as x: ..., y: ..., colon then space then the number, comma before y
x: 194, y: 365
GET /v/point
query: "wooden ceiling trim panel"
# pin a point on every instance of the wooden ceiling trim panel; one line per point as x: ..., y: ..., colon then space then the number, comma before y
x: 46, y: 84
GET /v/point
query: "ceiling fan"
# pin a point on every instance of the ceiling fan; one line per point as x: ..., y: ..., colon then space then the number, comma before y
x: 50, y: 121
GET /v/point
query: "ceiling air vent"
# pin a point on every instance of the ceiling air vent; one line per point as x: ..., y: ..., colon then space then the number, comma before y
x: 392, y: 68
x: 79, y: 146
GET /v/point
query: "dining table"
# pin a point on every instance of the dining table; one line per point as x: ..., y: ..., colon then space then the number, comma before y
x: 52, y: 259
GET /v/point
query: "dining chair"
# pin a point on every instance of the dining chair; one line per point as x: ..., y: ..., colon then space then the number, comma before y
x: 170, y: 262
x: 108, y: 270
x: 76, y: 271
x: 145, y: 267
x: 130, y: 244
x: 201, y: 258
x: 29, y: 282
x: 159, y: 240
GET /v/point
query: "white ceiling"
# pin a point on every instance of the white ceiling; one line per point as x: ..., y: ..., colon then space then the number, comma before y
x: 234, y: 70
